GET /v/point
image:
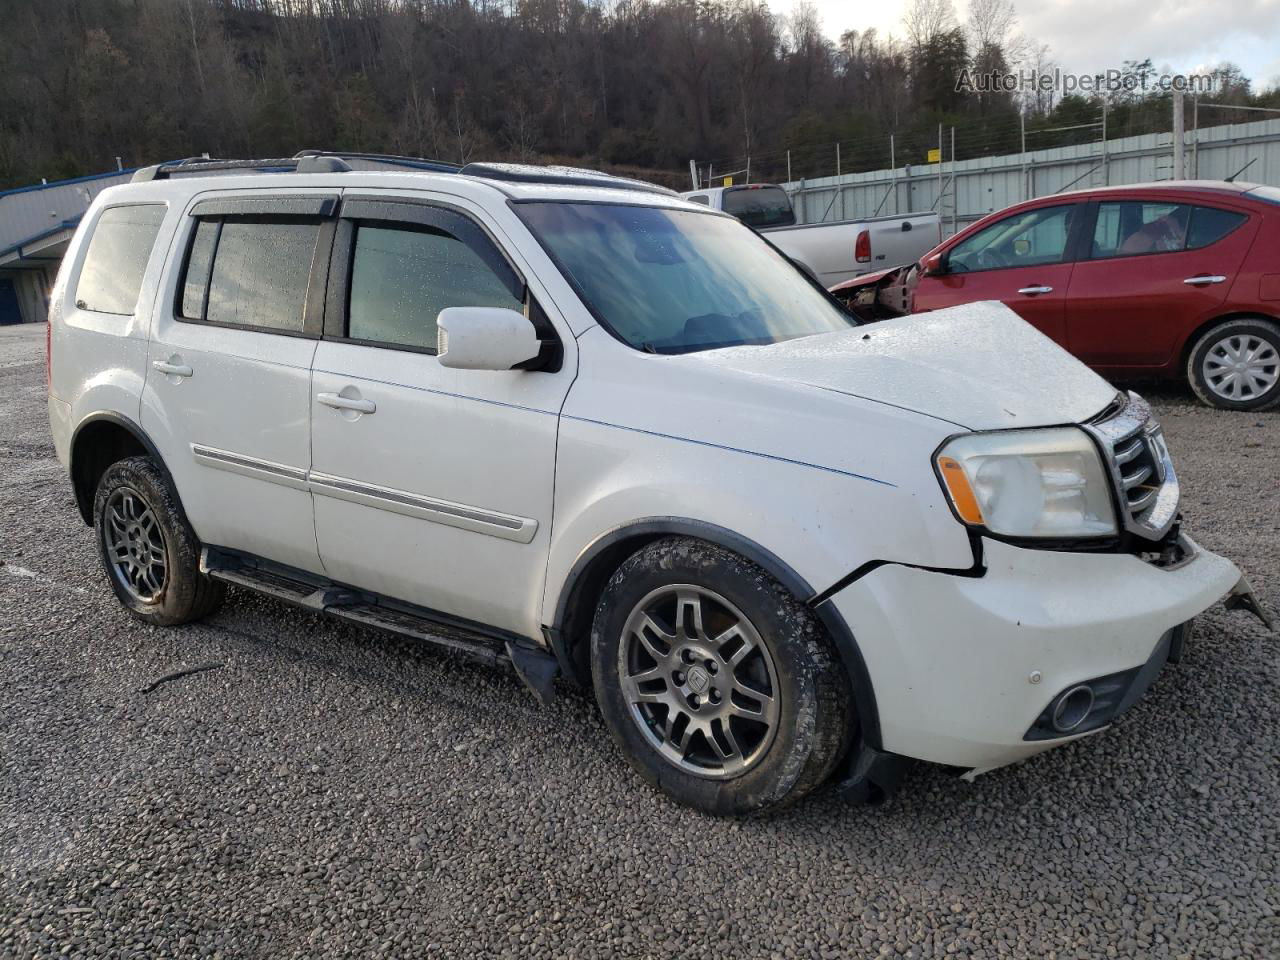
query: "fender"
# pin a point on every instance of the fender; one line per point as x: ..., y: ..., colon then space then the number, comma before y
x: 559, y: 633
x: 84, y: 499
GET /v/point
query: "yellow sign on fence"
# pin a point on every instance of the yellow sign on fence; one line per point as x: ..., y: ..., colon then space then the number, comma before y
x: 728, y: 182
x: 935, y: 155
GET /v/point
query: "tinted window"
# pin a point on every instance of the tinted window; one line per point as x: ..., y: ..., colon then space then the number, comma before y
x: 760, y: 206
x: 401, y: 278
x: 676, y: 281
x: 1131, y: 228
x: 701, y: 198
x: 1209, y: 225
x: 257, y: 273
x: 117, y: 257
x: 1028, y: 239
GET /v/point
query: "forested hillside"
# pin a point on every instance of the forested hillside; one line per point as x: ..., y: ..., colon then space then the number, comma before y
x: 642, y: 84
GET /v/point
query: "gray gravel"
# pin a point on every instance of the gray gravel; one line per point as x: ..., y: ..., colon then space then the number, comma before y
x: 331, y: 792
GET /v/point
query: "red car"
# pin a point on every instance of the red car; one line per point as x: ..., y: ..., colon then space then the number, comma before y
x: 1179, y: 280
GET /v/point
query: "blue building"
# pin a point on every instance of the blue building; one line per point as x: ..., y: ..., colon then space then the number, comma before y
x: 36, y: 225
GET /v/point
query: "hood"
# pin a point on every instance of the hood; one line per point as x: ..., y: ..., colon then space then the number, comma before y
x: 867, y: 279
x: 979, y: 366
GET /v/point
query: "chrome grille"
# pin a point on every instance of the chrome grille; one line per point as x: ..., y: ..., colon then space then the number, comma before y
x: 1140, y: 468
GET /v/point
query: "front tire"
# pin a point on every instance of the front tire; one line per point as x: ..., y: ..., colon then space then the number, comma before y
x: 1236, y: 365
x: 150, y: 553
x: 721, y: 688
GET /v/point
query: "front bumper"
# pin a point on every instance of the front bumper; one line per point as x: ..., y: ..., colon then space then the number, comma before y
x: 964, y: 667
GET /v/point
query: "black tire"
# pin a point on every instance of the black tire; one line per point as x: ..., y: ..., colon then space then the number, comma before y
x: 184, y: 593
x: 812, y: 727
x: 1263, y: 330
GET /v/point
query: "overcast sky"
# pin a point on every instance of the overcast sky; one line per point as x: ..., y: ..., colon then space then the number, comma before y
x: 1090, y: 35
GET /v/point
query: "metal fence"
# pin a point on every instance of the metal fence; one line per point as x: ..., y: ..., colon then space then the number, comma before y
x: 967, y: 190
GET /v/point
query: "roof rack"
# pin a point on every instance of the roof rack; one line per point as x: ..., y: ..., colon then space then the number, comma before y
x: 566, y: 176
x: 304, y: 161
x: 327, y: 161
x: 355, y: 161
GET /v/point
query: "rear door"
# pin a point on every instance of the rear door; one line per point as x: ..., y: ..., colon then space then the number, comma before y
x: 227, y: 398
x: 1152, y: 271
x: 432, y: 485
x: 1023, y: 260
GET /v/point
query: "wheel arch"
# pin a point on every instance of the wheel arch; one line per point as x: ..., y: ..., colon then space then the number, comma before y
x: 101, y: 439
x: 1189, y: 344
x: 576, y: 603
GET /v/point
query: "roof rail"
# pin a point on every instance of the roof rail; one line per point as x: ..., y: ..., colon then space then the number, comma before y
x: 382, y: 159
x: 570, y: 176
x: 201, y: 165
x: 335, y: 161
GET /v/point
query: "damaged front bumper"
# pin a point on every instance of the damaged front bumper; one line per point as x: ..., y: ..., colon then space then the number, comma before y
x: 971, y: 671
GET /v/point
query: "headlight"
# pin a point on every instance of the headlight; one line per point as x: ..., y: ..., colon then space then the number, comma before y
x: 1029, y: 483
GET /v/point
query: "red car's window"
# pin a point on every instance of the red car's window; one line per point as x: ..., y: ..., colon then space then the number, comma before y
x: 1131, y: 228
x: 1209, y: 225
x: 1028, y: 239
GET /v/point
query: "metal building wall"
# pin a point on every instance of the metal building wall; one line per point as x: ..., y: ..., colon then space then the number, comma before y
x: 984, y: 185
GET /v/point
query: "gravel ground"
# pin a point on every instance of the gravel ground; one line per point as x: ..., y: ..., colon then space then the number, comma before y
x: 324, y: 791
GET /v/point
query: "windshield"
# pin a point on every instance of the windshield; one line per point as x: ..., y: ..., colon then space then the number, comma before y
x: 759, y: 206
x: 676, y: 281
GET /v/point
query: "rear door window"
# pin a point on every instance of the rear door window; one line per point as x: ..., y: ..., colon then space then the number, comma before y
x: 1130, y: 228
x: 119, y: 249
x: 250, y: 272
x: 760, y: 206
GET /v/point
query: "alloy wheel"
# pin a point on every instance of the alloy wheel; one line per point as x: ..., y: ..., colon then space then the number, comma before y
x: 699, y: 681
x: 135, y: 546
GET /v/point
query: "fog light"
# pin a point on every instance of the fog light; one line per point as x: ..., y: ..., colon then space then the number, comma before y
x: 1072, y: 708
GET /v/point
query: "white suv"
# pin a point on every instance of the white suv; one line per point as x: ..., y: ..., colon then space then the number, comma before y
x: 577, y: 424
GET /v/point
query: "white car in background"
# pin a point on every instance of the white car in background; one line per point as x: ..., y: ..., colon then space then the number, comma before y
x: 831, y: 252
x: 580, y: 425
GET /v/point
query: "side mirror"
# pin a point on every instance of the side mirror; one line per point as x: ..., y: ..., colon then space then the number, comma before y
x: 934, y: 266
x: 485, y: 338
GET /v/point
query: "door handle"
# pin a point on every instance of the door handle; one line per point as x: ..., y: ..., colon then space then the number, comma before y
x: 1204, y: 281
x: 1034, y: 291
x: 172, y: 369
x: 339, y: 402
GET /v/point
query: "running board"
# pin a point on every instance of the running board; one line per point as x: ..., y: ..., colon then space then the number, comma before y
x: 535, y: 666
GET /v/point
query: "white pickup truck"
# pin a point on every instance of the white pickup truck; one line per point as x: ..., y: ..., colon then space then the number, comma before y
x: 831, y: 252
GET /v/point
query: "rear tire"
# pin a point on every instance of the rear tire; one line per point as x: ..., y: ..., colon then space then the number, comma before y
x: 149, y: 551
x: 1236, y: 365
x: 722, y: 689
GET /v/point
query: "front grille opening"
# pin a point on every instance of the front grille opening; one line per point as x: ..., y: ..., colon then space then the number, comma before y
x: 1139, y: 473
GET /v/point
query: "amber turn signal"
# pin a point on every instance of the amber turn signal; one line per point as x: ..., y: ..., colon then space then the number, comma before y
x: 961, y: 492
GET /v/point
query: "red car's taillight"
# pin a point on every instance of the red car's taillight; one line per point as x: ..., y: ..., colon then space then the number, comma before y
x: 862, y: 247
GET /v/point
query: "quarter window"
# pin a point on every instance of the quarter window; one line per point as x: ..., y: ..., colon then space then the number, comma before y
x: 250, y: 272
x: 1029, y: 239
x: 1209, y: 225
x: 402, y: 277
x: 117, y: 257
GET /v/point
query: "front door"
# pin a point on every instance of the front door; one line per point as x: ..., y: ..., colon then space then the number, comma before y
x: 431, y: 485
x: 227, y: 398
x: 1022, y: 260
x: 1153, y: 273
